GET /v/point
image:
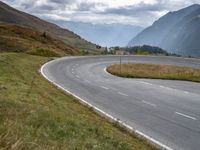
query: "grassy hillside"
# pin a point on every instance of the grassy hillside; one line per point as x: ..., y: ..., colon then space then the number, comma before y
x: 36, y: 115
x: 13, y: 16
x: 22, y: 39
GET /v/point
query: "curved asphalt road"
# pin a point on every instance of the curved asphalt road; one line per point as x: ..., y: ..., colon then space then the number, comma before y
x: 167, y: 111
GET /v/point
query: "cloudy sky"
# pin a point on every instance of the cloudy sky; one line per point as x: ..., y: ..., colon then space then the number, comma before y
x: 136, y: 12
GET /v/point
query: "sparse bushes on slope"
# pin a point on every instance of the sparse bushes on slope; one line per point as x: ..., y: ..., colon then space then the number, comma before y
x: 15, y: 38
x: 43, y: 52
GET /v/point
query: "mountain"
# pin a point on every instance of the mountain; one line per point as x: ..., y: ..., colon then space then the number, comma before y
x: 178, y: 32
x: 14, y: 38
x: 103, y: 34
x: 13, y: 16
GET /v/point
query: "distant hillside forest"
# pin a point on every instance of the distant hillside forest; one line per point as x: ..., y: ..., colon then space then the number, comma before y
x: 146, y: 49
x: 139, y: 50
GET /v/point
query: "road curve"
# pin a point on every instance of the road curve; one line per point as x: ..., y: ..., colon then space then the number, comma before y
x: 167, y: 111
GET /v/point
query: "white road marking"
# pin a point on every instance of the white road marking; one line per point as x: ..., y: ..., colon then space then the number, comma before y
x: 103, y: 87
x: 77, y: 76
x: 162, y: 86
x: 187, y: 116
x: 146, y: 83
x: 169, y: 88
x: 122, y: 94
x: 105, y: 70
x: 186, y: 92
x: 153, y: 140
x: 148, y: 103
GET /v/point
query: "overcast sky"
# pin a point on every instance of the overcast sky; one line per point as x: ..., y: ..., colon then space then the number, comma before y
x: 136, y: 12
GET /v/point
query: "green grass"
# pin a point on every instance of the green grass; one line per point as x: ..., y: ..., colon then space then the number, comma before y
x: 36, y: 115
x: 140, y: 52
x: 43, y: 52
x: 154, y: 71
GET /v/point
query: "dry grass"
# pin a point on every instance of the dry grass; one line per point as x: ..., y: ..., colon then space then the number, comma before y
x: 154, y: 71
x: 36, y: 115
x: 14, y: 38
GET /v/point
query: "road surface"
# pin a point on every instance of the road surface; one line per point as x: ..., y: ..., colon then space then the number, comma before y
x: 167, y: 111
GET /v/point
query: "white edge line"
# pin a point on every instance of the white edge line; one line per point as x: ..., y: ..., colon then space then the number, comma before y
x: 187, y: 116
x: 105, y: 70
x: 104, y: 114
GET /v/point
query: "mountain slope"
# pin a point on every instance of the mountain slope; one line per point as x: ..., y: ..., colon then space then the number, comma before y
x: 13, y: 16
x: 174, y: 32
x: 22, y: 39
x: 103, y: 34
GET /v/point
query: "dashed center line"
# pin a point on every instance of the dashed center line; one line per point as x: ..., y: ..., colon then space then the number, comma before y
x: 103, y: 87
x: 77, y: 76
x: 187, y: 116
x: 146, y: 83
x: 186, y: 92
x: 122, y: 94
x: 148, y: 103
x: 162, y: 86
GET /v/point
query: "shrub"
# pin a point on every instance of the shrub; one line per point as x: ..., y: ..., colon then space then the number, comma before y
x: 43, y: 52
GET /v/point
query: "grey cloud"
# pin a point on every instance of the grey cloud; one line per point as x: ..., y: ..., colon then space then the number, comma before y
x: 134, y: 10
x: 63, y: 1
x: 85, y: 6
x: 95, y: 12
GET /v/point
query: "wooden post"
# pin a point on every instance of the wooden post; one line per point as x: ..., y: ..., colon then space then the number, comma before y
x: 120, y: 65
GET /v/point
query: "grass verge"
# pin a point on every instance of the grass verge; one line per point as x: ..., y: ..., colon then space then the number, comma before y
x: 36, y: 115
x: 154, y: 71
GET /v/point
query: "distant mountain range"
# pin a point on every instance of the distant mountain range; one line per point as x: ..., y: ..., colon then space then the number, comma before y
x: 178, y: 32
x: 103, y: 34
x: 9, y: 15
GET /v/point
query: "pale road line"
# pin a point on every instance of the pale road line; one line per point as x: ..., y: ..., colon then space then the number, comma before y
x: 122, y: 94
x: 103, y: 87
x: 153, y: 140
x: 162, y: 86
x: 148, y: 103
x: 187, y: 116
x: 101, y: 112
x: 77, y: 76
x: 146, y: 83
x: 186, y: 92
x: 105, y: 70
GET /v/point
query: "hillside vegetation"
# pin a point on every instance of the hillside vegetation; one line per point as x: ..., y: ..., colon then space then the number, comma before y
x: 12, y: 16
x: 14, y: 38
x: 36, y: 115
x: 154, y: 71
x: 146, y: 49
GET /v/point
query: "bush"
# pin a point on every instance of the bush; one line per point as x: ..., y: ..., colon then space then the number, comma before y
x: 43, y: 52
